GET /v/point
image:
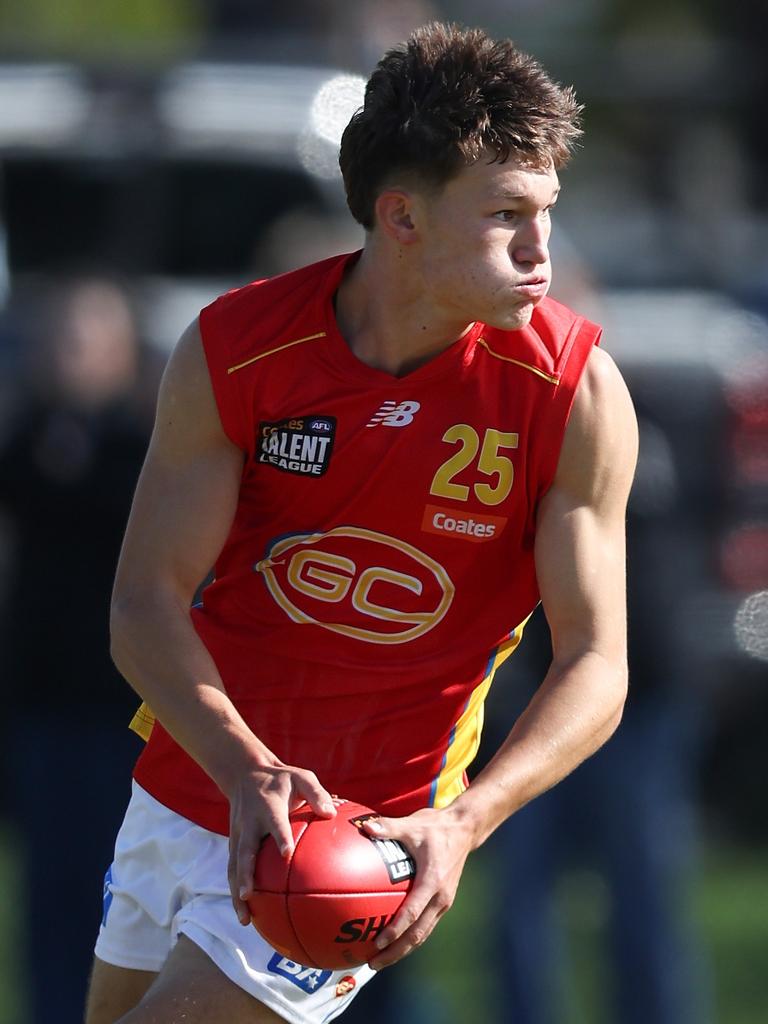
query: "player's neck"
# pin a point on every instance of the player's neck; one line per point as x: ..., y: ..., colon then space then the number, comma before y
x: 384, y: 315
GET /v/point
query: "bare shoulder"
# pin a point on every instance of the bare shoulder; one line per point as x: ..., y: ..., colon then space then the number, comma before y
x: 580, y: 542
x: 599, y: 452
x: 188, y: 490
x: 187, y: 414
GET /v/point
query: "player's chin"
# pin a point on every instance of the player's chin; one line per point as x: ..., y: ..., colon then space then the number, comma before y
x: 514, y: 319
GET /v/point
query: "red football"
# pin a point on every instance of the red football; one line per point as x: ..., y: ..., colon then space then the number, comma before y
x: 325, y: 904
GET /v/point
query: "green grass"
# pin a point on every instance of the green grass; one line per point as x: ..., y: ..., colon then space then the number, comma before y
x: 451, y: 980
x: 11, y: 1001
x: 732, y: 908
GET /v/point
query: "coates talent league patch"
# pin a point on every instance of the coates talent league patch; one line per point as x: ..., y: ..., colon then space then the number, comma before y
x: 302, y: 444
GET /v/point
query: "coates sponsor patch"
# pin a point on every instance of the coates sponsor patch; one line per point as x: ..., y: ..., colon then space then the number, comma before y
x: 450, y: 522
x: 302, y: 444
x: 397, y: 860
x: 309, y: 979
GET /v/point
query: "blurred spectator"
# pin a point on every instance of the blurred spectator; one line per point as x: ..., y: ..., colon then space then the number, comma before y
x: 626, y: 817
x: 301, y: 236
x: 69, y: 459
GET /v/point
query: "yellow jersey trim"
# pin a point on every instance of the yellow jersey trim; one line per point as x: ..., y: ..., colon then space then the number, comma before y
x: 143, y: 721
x: 271, y: 351
x: 464, y: 740
x: 526, y: 366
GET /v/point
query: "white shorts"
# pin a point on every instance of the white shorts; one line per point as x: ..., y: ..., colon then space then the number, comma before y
x: 168, y: 878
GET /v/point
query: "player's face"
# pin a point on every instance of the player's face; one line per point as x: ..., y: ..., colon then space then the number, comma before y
x: 485, y: 242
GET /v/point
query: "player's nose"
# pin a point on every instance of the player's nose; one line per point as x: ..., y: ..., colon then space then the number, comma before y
x: 532, y: 247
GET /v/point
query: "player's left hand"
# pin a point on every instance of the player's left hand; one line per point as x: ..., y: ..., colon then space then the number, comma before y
x: 439, y: 842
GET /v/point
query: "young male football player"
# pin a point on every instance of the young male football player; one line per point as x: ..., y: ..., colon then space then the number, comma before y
x: 391, y: 457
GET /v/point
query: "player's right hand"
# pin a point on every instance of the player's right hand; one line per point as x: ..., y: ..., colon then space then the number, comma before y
x: 260, y: 805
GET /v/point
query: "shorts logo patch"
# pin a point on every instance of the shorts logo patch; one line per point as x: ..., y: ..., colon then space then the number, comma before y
x: 301, y: 445
x: 308, y: 979
x: 397, y: 860
x: 107, y: 901
x: 345, y: 985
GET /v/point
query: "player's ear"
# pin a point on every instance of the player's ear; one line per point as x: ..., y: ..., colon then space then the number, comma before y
x: 394, y: 216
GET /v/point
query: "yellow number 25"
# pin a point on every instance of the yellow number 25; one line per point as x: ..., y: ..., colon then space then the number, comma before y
x: 490, y: 463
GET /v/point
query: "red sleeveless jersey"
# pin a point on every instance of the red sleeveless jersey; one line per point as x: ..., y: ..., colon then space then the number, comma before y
x: 380, y: 565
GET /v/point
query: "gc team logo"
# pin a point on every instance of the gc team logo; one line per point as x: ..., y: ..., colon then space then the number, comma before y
x: 359, y: 583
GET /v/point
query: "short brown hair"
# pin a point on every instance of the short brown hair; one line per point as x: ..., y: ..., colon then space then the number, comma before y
x: 443, y: 98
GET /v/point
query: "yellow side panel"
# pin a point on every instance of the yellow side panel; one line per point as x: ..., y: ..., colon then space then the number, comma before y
x: 465, y: 737
x: 143, y: 721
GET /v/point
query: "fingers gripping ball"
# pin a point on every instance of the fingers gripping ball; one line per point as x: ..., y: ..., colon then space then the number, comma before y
x: 325, y: 905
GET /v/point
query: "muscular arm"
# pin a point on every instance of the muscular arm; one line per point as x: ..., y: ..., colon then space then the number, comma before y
x: 182, y: 512
x: 580, y: 562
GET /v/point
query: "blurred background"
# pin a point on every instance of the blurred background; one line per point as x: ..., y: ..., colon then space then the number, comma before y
x: 156, y: 153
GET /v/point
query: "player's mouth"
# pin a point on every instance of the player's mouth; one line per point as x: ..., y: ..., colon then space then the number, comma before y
x: 532, y: 288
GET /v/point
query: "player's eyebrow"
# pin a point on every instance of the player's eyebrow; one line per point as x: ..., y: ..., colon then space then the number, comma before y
x: 517, y: 197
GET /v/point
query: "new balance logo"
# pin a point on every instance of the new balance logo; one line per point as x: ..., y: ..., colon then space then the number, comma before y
x: 393, y: 415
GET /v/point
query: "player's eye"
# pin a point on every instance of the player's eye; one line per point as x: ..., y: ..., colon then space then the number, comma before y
x: 506, y: 215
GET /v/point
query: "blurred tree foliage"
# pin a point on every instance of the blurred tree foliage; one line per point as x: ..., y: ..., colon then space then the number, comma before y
x: 82, y: 28
x: 672, y: 18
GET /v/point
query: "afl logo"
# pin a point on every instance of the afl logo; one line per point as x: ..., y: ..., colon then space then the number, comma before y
x: 321, y: 426
x: 359, y: 583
